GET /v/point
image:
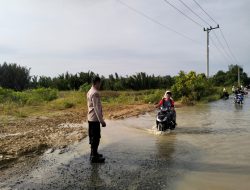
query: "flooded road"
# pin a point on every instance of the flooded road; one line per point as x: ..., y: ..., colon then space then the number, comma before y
x: 210, y: 149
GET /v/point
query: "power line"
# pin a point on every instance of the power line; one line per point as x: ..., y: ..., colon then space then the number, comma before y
x: 194, y: 12
x: 228, y: 45
x: 166, y: 1
x: 223, y: 47
x: 231, y: 54
x: 207, y: 24
x: 228, y: 52
x: 219, y: 50
x: 157, y: 22
x: 204, y: 11
x: 208, y: 29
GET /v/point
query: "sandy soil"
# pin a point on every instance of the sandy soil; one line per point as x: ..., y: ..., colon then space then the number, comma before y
x: 34, y: 135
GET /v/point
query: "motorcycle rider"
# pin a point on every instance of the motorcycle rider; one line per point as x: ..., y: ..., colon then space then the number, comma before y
x: 237, y: 91
x: 168, y: 102
x: 225, y: 93
x: 239, y: 95
x: 233, y: 89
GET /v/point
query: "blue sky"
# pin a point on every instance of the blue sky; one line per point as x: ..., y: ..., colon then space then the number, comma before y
x: 55, y: 36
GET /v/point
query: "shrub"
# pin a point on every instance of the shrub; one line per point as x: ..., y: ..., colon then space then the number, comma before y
x: 85, y: 87
x: 186, y: 100
x: 31, y: 97
x: 44, y: 94
x: 191, y: 87
x: 153, y: 97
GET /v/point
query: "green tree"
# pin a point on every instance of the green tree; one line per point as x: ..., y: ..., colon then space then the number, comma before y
x: 220, y: 78
x: 14, y: 76
x: 191, y: 86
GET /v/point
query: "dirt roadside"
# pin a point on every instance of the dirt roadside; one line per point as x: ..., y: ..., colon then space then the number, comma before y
x: 34, y: 135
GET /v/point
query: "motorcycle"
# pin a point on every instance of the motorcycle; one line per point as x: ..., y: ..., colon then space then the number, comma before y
x: 225, y: 95
x: 165, y: 119
x: 238, y: 99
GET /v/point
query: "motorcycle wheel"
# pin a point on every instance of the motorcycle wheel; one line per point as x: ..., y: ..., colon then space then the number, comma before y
x: 160, y: 127
x: 172, y: 125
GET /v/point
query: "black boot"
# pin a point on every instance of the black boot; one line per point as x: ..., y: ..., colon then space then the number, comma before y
x: 99, y: 155
x: 95, y: 157
x: 97, y: 145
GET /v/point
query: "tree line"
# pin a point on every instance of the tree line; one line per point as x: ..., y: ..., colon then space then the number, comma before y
x: 230, y: 77
x: 16, y: 77
x: 13, y: 76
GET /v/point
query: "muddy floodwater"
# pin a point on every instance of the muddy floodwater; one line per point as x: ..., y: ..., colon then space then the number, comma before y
x: 210, y: 149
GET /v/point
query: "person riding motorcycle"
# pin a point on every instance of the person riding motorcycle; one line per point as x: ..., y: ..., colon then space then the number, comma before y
x: 168, y: 102
x: 225, y: 94
x: 237, y: 91
x: 233, y: 89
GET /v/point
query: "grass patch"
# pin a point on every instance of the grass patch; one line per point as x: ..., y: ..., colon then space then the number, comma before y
x: 28, y: 97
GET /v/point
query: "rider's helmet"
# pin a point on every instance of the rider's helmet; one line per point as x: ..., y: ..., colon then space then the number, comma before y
x: 168, y: 92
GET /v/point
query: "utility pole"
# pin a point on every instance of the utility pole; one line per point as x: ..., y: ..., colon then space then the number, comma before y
x: 208, y: 30
x: 238, y: 75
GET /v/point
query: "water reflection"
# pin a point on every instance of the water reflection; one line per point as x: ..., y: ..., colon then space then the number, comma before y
x: 166, y: 146
x: 95, y: 179
x: 238, y: 106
